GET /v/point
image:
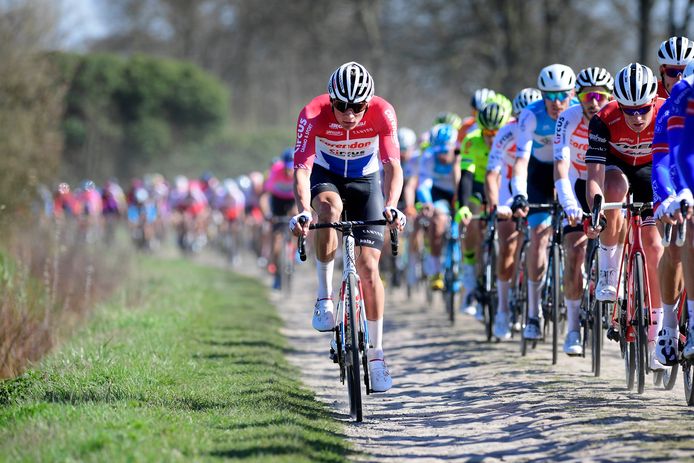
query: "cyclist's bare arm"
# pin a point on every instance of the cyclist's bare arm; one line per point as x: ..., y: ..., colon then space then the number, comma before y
x: 302, y: 196
x: 392, y: 180
x: 492, y: 183
x: 595, y: 182
x: 520, y: 168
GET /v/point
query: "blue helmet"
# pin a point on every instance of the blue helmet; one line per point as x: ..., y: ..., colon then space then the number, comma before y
x: 443, y: 136
x: 288, y: 158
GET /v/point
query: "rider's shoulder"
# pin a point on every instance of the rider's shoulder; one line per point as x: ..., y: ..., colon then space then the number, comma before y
x: 317, y: 107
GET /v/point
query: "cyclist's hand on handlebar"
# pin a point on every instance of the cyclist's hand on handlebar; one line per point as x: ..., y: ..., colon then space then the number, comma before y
x: 574, y: 214
x: 298, y: 224
x: 594, y: 232
x: 520, y: 206
x: 665, y: 210
x: 395, y: 218
x: 463, y: 215
x: 504, y: 212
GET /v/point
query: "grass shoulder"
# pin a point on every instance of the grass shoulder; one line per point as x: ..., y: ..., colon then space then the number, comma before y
x: 195, y: 371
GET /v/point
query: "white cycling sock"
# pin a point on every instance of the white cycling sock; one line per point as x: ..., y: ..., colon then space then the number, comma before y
x: 572, y: 309
x: 669, y: 316
x: 324, y: 271
x: 502, y: 288
x: 656, y: 322
x: 534, y: 294
x: 375, y: 328
x: 608, y: 256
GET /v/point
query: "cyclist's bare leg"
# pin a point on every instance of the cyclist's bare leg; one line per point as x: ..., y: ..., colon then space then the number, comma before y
x: 688, y: 268
x: 328, y: 207
x: 505, y: 264
x: 575, y: 245
x: 615, y: 190
x: 537, y: 262
x: 373, y: 293
x: 437, y: 229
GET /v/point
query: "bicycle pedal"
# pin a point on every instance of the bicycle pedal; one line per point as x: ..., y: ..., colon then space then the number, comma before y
x: 612, y: 334
x: 333, y: 355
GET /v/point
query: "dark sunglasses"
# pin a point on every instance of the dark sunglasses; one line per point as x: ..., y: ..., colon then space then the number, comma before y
x: 590, y: 96
x: 343, y: 106
x: 555, y: 96
x: 638, y: 111
x: 673, y: 72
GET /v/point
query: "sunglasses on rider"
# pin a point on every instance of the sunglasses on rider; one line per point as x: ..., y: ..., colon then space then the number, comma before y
x: 586, y: 97
x: 555, y: 96
x: 344, y: 106
x: 636, y: 111
x: 673, y: 72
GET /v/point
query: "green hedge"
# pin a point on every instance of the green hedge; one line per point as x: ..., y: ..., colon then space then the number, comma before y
x: 125, y: 114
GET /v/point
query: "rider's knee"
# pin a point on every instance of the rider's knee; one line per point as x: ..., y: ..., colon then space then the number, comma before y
x: 327, y: 211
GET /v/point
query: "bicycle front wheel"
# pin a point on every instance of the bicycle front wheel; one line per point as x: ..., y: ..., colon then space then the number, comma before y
x: 640, y: 328
x: 555, y: 268
x: 352, y: 350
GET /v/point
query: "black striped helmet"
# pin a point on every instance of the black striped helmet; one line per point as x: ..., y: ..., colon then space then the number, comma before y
x: 493, y: 116
x: 351, y: 83
x: 594, y: 77
x: 676, y: 51
x: 635, y: 85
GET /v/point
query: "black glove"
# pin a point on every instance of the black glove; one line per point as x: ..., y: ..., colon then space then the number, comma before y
x: 519, y: 202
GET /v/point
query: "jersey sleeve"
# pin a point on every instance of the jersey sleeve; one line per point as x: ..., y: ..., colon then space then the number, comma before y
x: 527, y: 123
x: 305, y: 147
x: 503, y: 142
x: 388, y: 143
x: 598, y: 141
x: 562, y: 134
x: 685, y: 152
x: 467, y: 156
x: 660, y: 174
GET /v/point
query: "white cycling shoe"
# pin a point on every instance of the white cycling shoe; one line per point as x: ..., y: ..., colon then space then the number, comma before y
x: 323, y: 317
x: 606, y: 289
x: 667, y: 344
x: 379, y: 375
x: 653, y: 362
x: 572, y: 344
x: 502, y: 331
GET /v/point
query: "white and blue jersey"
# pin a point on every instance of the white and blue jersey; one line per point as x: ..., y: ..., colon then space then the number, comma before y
x: 441, y: 175
x: 536, y: 131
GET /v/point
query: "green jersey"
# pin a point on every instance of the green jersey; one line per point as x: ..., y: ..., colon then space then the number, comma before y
x: 474, y: 155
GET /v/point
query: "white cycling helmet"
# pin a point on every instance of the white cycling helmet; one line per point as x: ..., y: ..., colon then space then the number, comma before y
x: 480, y: 97
x: 556, y: 78
x: 689, y: 70
x: 351, y: 83
x: 594, y: 77
x: 635, y: 85
x: 524, y: 98
x: 406, y: 137
x: 676, y: 51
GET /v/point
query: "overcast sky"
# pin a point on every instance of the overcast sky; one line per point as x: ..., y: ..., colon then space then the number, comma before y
x: 80, y: 20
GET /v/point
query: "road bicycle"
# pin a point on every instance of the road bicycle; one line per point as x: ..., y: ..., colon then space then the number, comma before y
x: 632, y: 315
x: 451, y: 268
x: 486, y: 286
x: 351, y: 330
x: 518, y: 298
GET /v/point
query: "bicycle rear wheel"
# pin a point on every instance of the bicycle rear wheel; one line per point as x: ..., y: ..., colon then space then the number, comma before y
x: 488, y: 287
x: 352, y: 350
x: 640, y: 328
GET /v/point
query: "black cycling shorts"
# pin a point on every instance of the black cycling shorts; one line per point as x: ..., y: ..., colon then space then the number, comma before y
x: 362, y: 198
x: 639, y: 178
x: 280, y: 208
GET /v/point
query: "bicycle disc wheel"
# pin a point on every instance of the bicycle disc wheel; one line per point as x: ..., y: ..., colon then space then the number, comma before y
x: 352, y: 350
x: 641, y: 319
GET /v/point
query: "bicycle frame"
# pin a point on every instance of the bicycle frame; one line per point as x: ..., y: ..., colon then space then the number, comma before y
x: 632, y: 246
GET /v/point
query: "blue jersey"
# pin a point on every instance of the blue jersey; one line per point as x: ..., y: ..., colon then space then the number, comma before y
x: 536, y: 130
x: 435, y: 172
x: 669, y: 176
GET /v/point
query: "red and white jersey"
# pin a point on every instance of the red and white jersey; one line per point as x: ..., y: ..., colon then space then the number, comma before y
x: 320, y: 139
x: 503, y: 152
x: 571, y: 141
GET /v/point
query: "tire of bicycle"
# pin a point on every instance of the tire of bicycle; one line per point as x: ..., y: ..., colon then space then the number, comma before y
x: 489, y: 297
x: 556, y: 297
x: 363, y: 349
x: 688, y: 377
x: 596, y: 337
x: 352, y: 361
x: 521, y: 283
x: 641, y: 340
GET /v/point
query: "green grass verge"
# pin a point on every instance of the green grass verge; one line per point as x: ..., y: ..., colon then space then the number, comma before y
x: 194, y: 372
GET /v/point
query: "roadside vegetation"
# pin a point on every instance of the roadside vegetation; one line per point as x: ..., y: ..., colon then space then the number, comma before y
x: 186, y: 364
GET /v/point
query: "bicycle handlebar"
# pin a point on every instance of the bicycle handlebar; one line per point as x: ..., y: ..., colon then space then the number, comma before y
x: 344, y: 225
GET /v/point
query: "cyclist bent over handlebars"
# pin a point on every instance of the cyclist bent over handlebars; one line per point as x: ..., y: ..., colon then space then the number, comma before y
x: 340, y: 137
